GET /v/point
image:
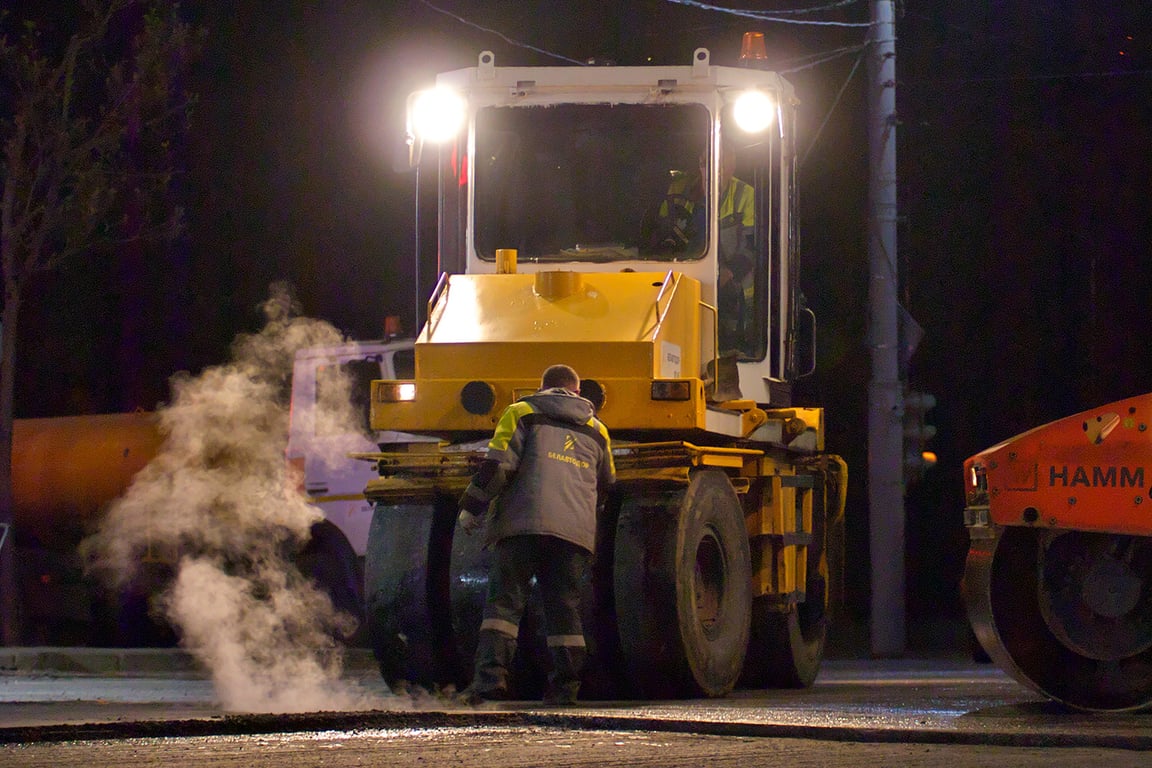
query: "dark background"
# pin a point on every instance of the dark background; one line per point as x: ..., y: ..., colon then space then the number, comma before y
x: 1024, y: 151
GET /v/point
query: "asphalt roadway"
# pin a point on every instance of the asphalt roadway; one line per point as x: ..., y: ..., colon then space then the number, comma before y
x: 54, y: 695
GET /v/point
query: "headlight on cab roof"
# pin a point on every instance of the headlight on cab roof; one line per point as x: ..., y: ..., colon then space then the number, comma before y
x: 436, y: 115
x: 754, y: 111
x: 395, y: 391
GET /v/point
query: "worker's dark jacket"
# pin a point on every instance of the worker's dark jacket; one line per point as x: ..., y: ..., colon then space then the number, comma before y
x: 547, y: 462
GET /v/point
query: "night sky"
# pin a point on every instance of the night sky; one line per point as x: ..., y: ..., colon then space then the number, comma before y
x: 1025, y: 159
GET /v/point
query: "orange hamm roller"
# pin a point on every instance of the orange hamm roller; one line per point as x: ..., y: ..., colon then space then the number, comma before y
x: 1059, y: 573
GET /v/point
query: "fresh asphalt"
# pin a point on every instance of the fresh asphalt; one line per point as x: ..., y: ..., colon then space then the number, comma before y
x: 57, y: 694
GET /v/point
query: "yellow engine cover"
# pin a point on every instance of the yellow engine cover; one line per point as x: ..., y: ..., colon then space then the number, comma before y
x: 623, y: 329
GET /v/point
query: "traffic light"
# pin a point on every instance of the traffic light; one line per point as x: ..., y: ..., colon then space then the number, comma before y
x: 917, y: 432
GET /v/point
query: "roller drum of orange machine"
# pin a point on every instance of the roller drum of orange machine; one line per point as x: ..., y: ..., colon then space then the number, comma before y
x: 1059, y: 573
x: 66, y: 470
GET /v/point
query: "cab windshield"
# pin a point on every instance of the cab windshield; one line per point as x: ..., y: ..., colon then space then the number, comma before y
x: 590, y: 182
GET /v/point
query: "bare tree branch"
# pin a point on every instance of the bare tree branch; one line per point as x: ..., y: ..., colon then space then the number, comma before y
x: 83, y: 141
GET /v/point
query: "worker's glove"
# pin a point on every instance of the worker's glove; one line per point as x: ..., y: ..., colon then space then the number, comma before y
x: 473, y: 508
x: 470, y: 522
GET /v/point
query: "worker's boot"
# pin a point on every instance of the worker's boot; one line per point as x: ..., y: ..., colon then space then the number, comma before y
x: 494, y: 653
x: 564, y: 680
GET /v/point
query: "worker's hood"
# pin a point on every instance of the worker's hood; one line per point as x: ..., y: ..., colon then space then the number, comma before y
x: 560, y: 404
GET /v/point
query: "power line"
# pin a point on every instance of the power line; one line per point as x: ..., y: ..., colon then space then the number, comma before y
x: 814, y: 9
x: 1009, y: 78
x: 822, y: 58
x: 832, y: 109
x: 772, y: 16
x: 759, y: 15
x: 502, y: 36
x: 810, y: 57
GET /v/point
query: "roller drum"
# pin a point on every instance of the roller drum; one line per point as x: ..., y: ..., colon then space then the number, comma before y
x: 1059, y: 613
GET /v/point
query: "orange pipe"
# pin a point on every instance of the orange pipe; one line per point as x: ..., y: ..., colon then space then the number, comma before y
x: 66, y: 470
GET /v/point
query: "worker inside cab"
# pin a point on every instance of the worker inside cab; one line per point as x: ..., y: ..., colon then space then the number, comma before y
x: 679, y: 226
x: 591, y: 184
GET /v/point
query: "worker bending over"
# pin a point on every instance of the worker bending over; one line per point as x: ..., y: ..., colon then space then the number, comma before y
x: 547, y: 470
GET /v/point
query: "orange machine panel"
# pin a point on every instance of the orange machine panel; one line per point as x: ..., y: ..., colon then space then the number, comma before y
x: 1091, y: 471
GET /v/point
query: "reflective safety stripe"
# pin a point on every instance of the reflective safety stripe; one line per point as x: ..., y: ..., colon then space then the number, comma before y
x: 570, y: 641
x: 501, y: 626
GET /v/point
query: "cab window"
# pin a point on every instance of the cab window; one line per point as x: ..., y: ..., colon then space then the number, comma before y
x: 587, y: 182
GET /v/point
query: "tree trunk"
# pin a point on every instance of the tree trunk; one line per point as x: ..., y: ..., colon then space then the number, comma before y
x: 9, y: 583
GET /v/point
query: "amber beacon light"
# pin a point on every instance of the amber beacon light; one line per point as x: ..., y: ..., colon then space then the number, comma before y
x: 752, y: 49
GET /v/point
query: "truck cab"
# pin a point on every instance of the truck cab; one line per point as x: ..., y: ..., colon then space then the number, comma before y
x: 322, y: 431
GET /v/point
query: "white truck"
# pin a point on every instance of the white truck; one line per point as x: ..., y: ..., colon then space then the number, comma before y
x: 318, y: 449
x: 331, y: 481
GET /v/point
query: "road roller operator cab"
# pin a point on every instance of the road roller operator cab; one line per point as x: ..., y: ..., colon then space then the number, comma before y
x: 635, y: 222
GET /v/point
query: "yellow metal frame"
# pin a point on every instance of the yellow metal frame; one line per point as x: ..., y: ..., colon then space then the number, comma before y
x: 437, y: 408
x: 779, y: 517
x: 625, y: 330
x: 778, y: 493
x: 779, y: 531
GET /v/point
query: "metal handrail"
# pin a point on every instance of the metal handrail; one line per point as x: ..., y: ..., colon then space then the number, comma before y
x: 441, y: 286
x: 715, y: 346
x: 812, y: 362
x: 668, y: 281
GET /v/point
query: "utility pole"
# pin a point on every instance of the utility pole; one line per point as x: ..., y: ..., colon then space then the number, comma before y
x: 885, y: 394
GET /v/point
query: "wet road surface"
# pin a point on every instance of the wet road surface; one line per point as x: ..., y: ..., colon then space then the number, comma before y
x: 884, y: 712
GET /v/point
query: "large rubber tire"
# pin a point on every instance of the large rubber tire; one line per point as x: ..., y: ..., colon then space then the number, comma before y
x: 405, y: 570
x: 425, y: 585
x: 605, y: 676
x: 786, y: 645
x: 682, y: 589
x: 467, y: 587
x: 785, y: 650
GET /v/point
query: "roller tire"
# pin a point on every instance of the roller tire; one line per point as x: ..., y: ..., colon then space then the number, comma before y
x: 785, y: 650
x: 406, y: 594
x: 466, y: 586
x: 604, y: 676
x: 670, y: 547
x: 426, y: 583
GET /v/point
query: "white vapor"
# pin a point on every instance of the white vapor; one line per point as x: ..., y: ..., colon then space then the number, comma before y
x: 219, y: 500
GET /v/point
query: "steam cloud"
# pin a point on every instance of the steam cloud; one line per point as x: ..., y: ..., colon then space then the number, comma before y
x: 219, y: 497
